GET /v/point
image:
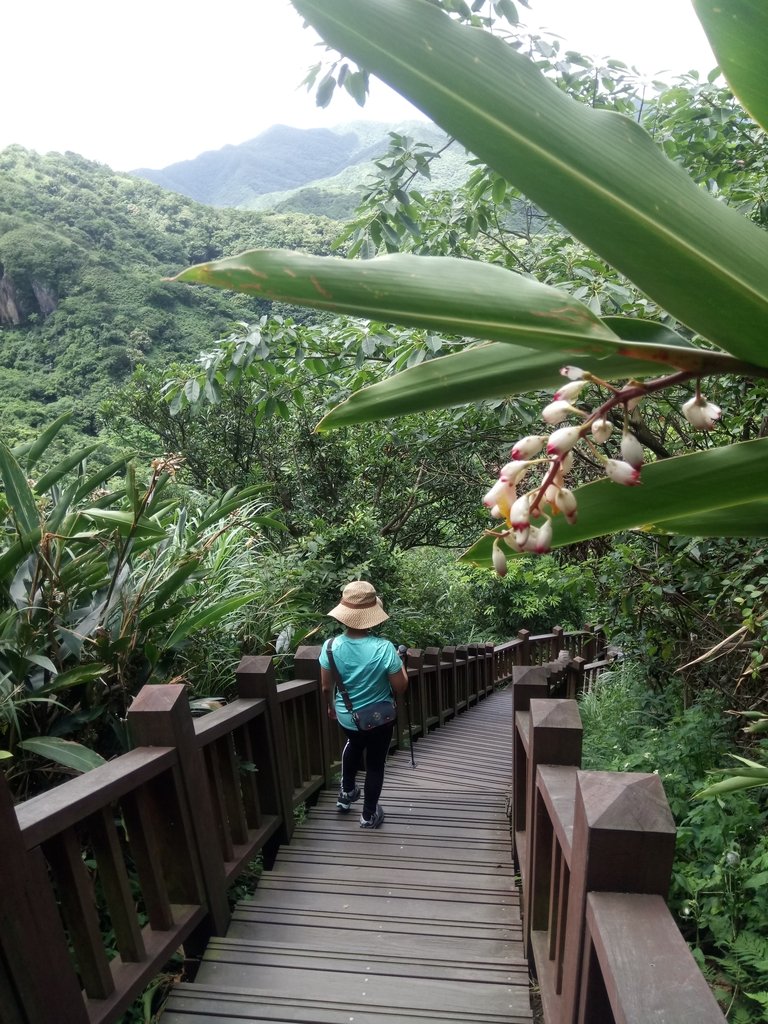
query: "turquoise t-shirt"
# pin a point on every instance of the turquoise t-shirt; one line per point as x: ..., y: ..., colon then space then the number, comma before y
x: 365, y: 664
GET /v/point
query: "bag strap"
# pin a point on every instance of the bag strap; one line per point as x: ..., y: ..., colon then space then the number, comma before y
x: 338, y: 680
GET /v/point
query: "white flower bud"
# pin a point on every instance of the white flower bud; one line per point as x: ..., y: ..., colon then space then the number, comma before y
x: 700, y: 413
x: 556, y: 412
x: 622, y: 473
x: 631, y: 450
x: 567, y: 502
x: 520, y: 513
x: 513, y: 472
x: 570, y: 391
x: 562, y: 440
x: 544, y: 538
x: 572, y: 372
x: 602, y: 430
x: 499, y: 560
x: 528, y: 446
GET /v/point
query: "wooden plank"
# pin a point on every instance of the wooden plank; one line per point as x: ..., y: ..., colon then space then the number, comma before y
x: 648, y: 970
x: 215, y: 1006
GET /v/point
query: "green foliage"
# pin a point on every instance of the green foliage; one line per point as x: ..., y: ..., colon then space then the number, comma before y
x: 721, y: 865
x: 103, y: 580
x: 82, y: 255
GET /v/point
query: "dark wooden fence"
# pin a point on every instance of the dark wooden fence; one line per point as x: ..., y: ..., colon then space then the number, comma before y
x: 594, y: 851
x: 143, y: 848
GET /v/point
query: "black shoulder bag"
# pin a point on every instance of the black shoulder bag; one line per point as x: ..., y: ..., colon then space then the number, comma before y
x: 373, y: 715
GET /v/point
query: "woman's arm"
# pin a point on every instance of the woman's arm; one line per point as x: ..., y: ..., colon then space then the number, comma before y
x: 399, y: 680
x: 326, y: 684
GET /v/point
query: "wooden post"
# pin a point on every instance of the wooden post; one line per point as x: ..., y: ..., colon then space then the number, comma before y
x: 589, y: 648
x: 448, y: 657
x: 432, y: 658
x: 554, y: 737
x: 527, y: 682
x: 574, y: 678
x: 557, y: 641
x: 414, y: 663
x: 255, y: 677
x: 623, y: 841
x: 524, y: 650
x: 33, y: 946
x: 306, y: 665
x: 490, y: 682
x: 160, y: 717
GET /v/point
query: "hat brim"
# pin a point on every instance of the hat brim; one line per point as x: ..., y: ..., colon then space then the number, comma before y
x: 359, y: 618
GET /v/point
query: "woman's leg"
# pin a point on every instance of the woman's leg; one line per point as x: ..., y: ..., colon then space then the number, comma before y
x: 351, y: 758
x: 376, y: 749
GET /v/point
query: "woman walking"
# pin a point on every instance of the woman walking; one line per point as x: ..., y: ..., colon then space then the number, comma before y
x: 370, y: 670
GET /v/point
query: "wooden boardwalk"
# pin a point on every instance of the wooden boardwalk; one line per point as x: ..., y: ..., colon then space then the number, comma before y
x: 417, y: 921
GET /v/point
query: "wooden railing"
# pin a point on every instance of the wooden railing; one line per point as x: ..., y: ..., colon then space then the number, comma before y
x: 143, y: 848
x: 594, y: 852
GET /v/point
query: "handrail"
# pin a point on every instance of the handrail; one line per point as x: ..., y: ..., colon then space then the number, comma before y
x: 181, y: 815
x: 580, y: 838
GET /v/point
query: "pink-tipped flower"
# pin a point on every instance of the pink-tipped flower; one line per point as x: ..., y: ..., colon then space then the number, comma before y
x: 567, y: 502
x: 499, y: 499
x: 700, y: 413
x: 568, y: 392
x: 562, y: 440
x: 573, y: 372
x: 556, y: 412
x: 528, y: 446
x: 631, y: 450
x: 499, y: 560
x: 622, y: 472
x: 543, y: 541
x: 520, y: 513
x: 602, y: 430
x: 516, y: 539
x: 513, y: 472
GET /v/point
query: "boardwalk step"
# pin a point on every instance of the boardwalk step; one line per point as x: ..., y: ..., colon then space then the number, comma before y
x: 217, y: 1006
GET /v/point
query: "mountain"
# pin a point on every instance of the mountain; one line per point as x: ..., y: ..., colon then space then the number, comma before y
x: 83, y: 255
x: 279, y: 158
x: 312, y: 170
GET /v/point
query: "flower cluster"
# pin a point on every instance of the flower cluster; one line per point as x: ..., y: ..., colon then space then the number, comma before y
x: 527, y: 526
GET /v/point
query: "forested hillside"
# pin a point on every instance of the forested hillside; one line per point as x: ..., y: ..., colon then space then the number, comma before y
x: 83, y: 254
x: 315, y: 170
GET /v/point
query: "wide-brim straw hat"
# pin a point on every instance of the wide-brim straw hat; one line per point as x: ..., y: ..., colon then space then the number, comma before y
x: 359, y: 607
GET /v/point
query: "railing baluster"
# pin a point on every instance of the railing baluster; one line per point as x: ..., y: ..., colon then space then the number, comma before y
x: 113, y: 876
x: 76, y: 897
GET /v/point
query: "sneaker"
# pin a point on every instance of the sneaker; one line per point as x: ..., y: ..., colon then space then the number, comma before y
x: 344, y: 800
x: 375, y: 820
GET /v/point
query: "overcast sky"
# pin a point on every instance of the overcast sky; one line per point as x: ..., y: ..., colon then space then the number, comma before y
x: 147, y: 83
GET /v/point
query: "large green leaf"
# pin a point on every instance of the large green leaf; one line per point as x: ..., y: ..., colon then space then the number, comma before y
x: 738, y: 32
x: 491, y: 371
x: 698, y: 494
x: 63, y: 467
x: 40, y: 444
x: 207, y: 617
x: 597, y: 172
x: 455, y: 296
x: 18, y: 493
x: 124, y: 522
x: 66, y: 752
